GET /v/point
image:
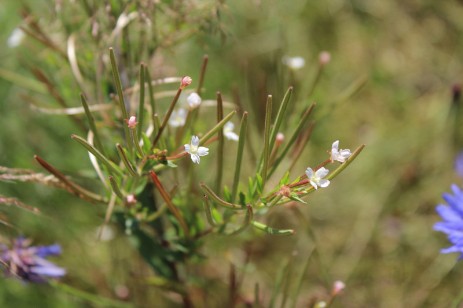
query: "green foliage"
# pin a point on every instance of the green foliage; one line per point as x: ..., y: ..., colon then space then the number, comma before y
x: 209, y: 240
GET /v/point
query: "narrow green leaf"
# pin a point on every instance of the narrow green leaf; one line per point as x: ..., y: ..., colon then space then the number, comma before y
x: 217, y: 199
x: 207, y: 209
x: 151, y: 92
x: 125, y: 160
x: 295, y: 197
x: 280, y: 116
x: 116, y: 188
x: 266, y: 152
x: 218, y: 126
x: 219, y: 154
x: 293, y: 138
x: 285, y: 179
x: 120, y: 94
x: 141, y: 104
x: 271, y: 230
x: 239, y: 156
x: 91, y: 122
x: 105, y: 161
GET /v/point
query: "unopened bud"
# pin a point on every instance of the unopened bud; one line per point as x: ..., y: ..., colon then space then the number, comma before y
x: 132, y: 122
x: 280, y: 138
x: 324, y: 58
x: 338, y: 286
x: 186, y: 81
x: 131, y: 200
x: 193, y: 100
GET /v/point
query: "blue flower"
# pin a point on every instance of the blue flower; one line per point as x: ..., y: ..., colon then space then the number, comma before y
x: 28, y: 262
x: 452, y: 216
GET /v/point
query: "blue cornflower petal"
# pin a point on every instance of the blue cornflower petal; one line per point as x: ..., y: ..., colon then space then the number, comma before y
x: 452, y: 216
x: 51, y: 250
x: 28, y: 262
x: 448, y: 213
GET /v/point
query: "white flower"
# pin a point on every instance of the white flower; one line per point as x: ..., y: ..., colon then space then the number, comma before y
x: 193, y: 100
x: 294, y: 63
x: 177, y: 118
x: 228, y: 131
x: 339, y: 155
x: 316, y: 179
x: 15, y: 38
x: 195, y: 150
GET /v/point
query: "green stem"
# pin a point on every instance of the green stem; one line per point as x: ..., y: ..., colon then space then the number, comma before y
x: 202, y: 74
x: 166, y: 118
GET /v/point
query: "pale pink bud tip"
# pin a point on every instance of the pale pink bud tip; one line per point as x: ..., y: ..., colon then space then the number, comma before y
x: 324, y: 57
x: 338, y: 286
x: 186, y: 81
x: 280, y: 137
x: 130, y: 199
x: 132, y: 122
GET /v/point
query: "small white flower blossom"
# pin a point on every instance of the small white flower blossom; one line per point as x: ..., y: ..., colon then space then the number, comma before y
x: 294, y: 63
x: 228, y: 131
x: 195, y: 150
x: 177, y: 118
x: 339, y: 155
x: 193, y: 100
x: 316, y: 178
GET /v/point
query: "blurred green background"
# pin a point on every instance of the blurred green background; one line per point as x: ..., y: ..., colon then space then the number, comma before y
x: 372, y: 228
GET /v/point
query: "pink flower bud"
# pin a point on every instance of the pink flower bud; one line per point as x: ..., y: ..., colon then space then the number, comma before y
x: 338, y: 286
x: 130, y: 199
x: 186, y: 81
x: 132, y: 122
x: 324, y: 58
x: 280, y: 138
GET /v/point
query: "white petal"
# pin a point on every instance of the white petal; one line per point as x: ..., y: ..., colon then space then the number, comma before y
x: 335, y: 145
x: 187, y: 148
x: 322, y: 172
x: 309, y: 172
x: 195, y: 158
x: 324, y: 183
x: 229, y: 126
x: 202, y: 151
x: 231, y: 136
x: 195, y: 140
x: 313, y: 184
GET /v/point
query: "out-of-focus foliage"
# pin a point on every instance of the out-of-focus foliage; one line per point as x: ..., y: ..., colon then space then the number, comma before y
x: 372, y: 228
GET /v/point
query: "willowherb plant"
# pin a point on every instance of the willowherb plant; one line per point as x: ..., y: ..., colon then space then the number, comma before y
x: 146, y: 157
